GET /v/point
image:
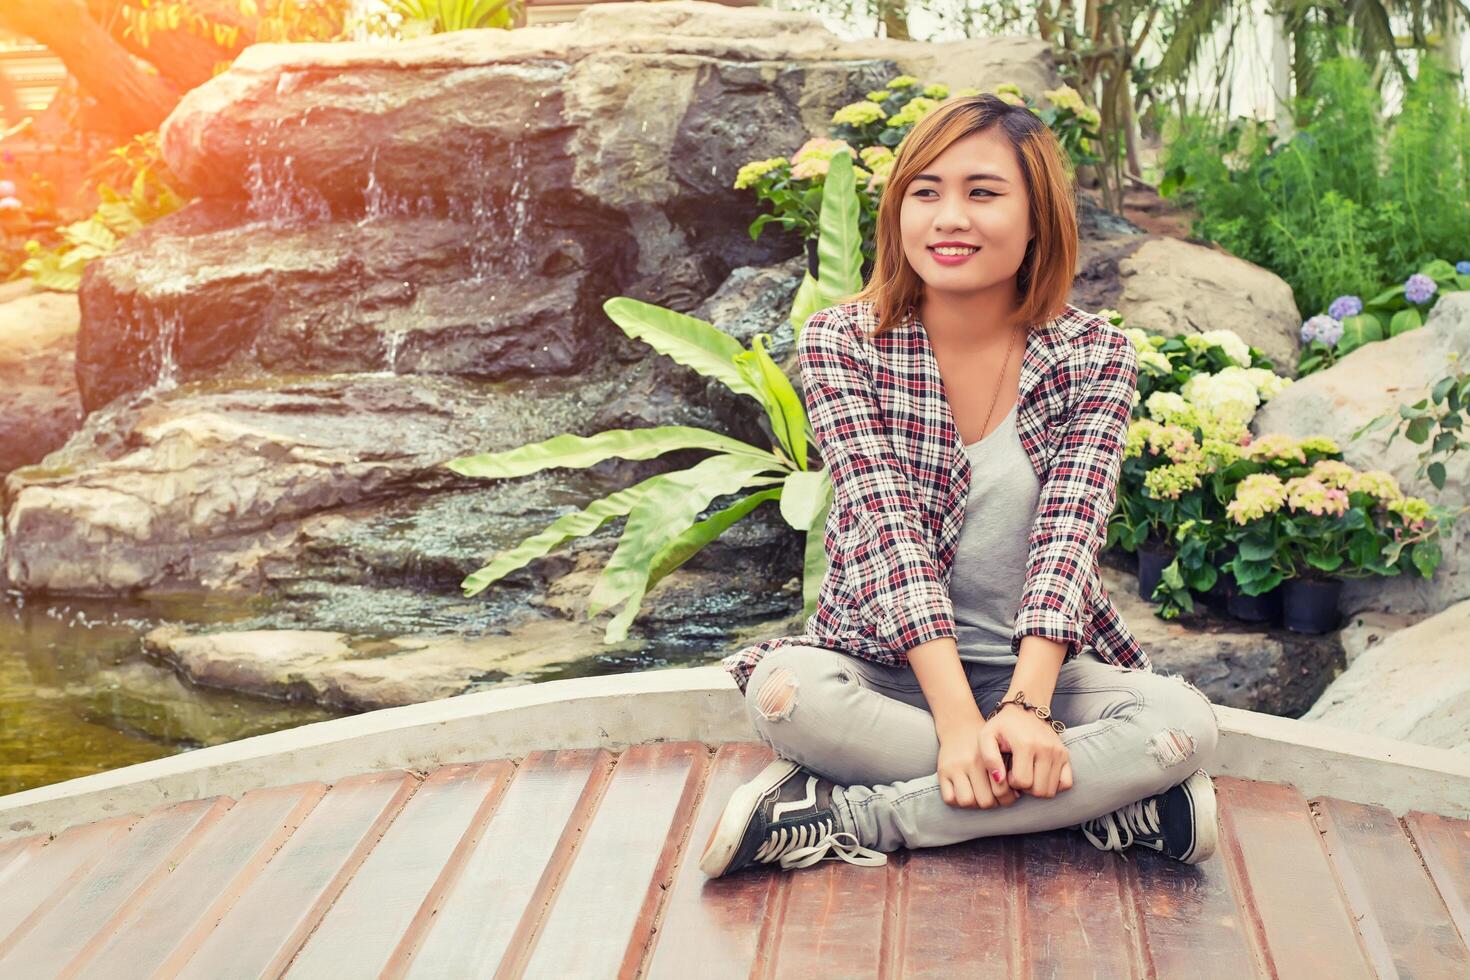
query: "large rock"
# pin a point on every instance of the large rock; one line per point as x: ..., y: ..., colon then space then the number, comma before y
x: 1176, y: 287
x: 39, y: 407
x: 411, y: 205
x: 1413, y: 686
x: 1374, y: 379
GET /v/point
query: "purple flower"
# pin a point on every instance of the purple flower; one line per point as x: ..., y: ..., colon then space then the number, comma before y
x: 1321, y: 327
x: 1419, y: 287
x: 1463, y: 268
x: 1345, y: 306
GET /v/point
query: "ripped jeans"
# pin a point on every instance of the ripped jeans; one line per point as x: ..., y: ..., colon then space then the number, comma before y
x: 865, y: 726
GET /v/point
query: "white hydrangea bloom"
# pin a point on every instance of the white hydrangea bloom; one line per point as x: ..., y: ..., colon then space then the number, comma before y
x: 1229, y: 341
x: 1267, y: 383
x: 1154, y: 361
x: 1139, y: 338
x: 1162, y: 406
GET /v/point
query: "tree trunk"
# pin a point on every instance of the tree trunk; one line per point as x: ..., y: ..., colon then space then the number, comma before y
x: 139, y: 101
x: 183, y: 58
x: 896, y: 19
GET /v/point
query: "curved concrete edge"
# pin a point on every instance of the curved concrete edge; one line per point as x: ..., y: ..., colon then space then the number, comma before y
x: 699, y: 704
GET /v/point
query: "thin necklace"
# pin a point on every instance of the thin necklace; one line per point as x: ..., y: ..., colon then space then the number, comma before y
x: 985, y: 429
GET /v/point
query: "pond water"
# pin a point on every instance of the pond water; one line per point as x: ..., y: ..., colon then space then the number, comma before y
x: 78, y: 695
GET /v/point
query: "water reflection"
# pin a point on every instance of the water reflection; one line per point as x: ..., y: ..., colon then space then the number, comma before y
x: 78, y: 696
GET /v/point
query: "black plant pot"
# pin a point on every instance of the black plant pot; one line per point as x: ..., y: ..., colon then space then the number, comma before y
x: 1218, y: 595
x: 1151, y: 565
x: 1310, y: 605
x: 1263, y: 608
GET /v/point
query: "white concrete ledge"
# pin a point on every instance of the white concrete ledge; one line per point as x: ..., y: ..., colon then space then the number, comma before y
x: 699, y: 704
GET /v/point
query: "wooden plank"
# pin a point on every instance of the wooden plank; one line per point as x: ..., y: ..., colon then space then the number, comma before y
x: 712, y: 928
x: 130, y: 869
x: 1078, y: 916
x: 262, y: 931
x: 1192, y: 922
x: 38, y: 879
x: 1276, y: 859
x: 159, y: 934
x: 602, y: 916
x: 832, y: 922
x: 958, y: 913
x: 1444, y: 845
x: 512, y: 871
x: 1406, y: 929
x: 358, y: 936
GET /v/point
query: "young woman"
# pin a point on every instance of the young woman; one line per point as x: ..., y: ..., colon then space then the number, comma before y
x: 966, y: 674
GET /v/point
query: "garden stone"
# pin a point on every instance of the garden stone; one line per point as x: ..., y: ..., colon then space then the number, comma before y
x: 1414, y: 686
x: 1174, y: 287
x: 1371, y: 380
x: 1271, y: 670
x: 39, y: 407
x: 411, y: 207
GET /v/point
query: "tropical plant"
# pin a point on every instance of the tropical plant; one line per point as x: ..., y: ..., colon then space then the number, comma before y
x: 458, y: 15
x: 661, y: 531
x: 151, y: 193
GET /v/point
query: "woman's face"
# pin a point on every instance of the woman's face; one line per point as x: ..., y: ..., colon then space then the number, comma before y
x: 943, y: 204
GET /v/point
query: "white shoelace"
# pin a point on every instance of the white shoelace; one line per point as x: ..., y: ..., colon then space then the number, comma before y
x: 806, y: 845
x: 1117, y: 828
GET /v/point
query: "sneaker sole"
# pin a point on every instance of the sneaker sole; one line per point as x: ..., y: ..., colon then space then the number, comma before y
x: 725, y: 839
x: 1206, y: 817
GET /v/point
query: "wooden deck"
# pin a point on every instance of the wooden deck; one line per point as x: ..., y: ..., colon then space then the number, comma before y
x: 582, y: 864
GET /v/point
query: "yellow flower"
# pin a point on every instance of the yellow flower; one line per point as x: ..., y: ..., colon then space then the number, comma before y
x: 1065, y: 97
x: 755, y: 170
x: 859, y: 114
x: 903, y: 81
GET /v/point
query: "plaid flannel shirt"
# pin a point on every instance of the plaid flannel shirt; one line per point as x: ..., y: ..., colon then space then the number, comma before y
x: 901, y: 477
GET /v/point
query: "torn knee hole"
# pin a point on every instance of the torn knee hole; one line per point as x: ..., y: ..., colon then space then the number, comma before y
x: 1171, y: 746
x: 776, y: 698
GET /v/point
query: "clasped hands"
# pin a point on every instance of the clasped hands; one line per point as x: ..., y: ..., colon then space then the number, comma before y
x: 972, y: 767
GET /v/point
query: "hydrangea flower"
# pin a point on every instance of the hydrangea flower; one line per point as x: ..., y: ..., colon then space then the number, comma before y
x: 1319, y: 445
x: 875, y: 156
x: 1138, y: 337
x: 814, y: 158
x: 1322, y: 327
x: 1065, y: 97
x: 1139, y: 434
x: 1229, y: 341
x: 1376, y: 483
x: 1268, y: 383
x: 1169, y: 482
x: 1155, y: 361
x: 1333, y: 473
x: 1256, y: 496
x: 912, y: 112
x: 1010, y: 88
x: 1167, y: 406
x: 1276, y: 445
x: 755, y: 170
x: 1463, y: 267
x: 1411, y: 509
x: 903, y: 81
x: 1344, y: 307
x: 937, y: 91
x: 1419, y: 287
x: 1110, y: 315
x: 1310, y: 494
x: 1220, y: 453
x: 859, y: 114
x: 1228, y: 394
x: 878, y: 95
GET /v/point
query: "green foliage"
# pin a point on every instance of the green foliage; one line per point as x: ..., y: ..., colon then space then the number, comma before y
x: 1347, y: 203
x: 661, y: 531
x: 1437, y: 423
x: 150, y: 196
x: 458, y: 15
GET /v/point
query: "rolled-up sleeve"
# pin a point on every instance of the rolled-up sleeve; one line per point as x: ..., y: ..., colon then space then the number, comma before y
x: 875, y: 535
x: 1077, y: 499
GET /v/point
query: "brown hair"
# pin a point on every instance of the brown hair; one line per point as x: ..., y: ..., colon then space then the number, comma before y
x: 1044, y: 278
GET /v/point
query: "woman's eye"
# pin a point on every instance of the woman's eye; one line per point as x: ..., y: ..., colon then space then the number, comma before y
x: 980, y: 190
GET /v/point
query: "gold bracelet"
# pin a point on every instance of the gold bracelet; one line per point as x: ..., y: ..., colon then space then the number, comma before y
x: 1040, y: 710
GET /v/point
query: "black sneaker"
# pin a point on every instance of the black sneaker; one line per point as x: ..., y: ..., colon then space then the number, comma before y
x: 1179, y: 822
x: 783, y: 815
